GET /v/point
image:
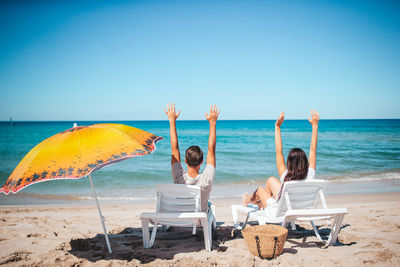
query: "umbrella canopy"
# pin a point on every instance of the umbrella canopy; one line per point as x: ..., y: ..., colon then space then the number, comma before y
x: 77, y: 152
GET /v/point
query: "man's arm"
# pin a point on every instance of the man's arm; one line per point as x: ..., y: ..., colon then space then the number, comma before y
x: 172, y: 116
x: 312, y: 156
x: 280, y: 160
x: 212, y: 138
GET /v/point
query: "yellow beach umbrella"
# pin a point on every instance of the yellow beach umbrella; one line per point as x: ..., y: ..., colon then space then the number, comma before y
x: 77, y: 152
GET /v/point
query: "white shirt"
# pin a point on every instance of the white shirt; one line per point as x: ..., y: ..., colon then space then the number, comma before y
x: 310, y: 175
x: 204, y: 180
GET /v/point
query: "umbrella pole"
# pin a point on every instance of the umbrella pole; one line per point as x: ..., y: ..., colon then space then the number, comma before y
x: 101, y: 216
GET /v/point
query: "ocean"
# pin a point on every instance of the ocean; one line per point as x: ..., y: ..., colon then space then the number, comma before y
x: 362, y: 154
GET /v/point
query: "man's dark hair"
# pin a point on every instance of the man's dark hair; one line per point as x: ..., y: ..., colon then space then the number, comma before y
x: 194, y: 156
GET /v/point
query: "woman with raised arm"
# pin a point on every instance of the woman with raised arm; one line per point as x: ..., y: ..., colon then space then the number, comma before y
x: 297, y: 167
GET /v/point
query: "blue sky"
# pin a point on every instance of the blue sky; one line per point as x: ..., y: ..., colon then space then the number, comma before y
x: 125, y: 60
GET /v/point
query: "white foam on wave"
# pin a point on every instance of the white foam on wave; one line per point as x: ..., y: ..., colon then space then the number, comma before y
x: 362, y: 177
x: 121, y: 198
x: 375, y: 179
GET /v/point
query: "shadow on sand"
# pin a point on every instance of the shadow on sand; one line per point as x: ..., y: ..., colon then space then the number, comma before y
x: 299, y: 237
x: 128, y: 244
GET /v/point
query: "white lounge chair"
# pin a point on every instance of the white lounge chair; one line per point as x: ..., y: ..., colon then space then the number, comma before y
x: 300, y: 201
x: 178, y: 205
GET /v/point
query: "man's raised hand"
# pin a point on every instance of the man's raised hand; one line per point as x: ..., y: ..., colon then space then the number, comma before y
x: 170, y: 111
x: 213, y: 116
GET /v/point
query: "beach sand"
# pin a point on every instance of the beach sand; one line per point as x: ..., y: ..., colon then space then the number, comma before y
x: 71, y: 235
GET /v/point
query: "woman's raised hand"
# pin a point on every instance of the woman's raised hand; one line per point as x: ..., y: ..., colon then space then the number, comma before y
x: 170, y: 111
x: 314, y: 118
x: 280, y: 119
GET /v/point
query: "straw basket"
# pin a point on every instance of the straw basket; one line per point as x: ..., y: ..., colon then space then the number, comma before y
x: 265, y: 241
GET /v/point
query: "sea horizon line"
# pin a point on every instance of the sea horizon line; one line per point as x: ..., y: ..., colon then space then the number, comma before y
x: 194, y: 120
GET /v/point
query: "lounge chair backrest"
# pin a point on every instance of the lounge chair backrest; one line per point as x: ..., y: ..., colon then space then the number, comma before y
x: 178, y: 198
x: 301, y: 195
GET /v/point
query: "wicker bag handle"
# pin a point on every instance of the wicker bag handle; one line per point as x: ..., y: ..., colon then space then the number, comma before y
x: 259, y: 250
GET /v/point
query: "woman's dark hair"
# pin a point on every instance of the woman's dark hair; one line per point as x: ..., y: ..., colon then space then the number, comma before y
x: 194, y: 156
x: 297, y: 165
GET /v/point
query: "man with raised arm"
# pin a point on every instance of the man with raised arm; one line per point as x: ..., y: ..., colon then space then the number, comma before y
x: 194, y: 156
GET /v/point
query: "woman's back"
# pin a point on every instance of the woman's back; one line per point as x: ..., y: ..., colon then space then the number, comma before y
x: 310, y: 175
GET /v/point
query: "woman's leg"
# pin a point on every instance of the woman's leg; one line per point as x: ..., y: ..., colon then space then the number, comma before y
x: 273, y: 186
x: 259, y: 197
x: 246, y: 199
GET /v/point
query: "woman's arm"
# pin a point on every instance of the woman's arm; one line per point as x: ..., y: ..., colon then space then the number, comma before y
x: 172, y: 116
x: 312, y: 156
x: 280, y: 160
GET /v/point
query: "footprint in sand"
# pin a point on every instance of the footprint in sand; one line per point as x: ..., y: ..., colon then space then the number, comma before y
x: 66, y: 223
x: 35, y: 235
x: 374, y: 245
x: 15, y: 257
x: 377, y: 211
x: 384, y: 255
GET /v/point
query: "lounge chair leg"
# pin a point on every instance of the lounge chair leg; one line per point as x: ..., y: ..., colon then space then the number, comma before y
x: 316, y: 231
x: 337, y: 224
x: 206, y: 232
x: 293, y: 224
x: 236, y: 223
x: 194, y: 229
x: 145, y: 233
x: 235, y: 217
x: 210, y: 229
x: 210, y: 237
x: 153, y: 234
x: 214, y: 221
x: 245, y: 221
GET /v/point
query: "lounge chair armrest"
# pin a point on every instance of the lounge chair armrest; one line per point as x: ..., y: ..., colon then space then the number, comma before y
x: 315, y: 212
x: 173, y: 215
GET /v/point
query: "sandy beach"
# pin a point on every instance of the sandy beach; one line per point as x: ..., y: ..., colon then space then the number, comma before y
x: 71, y: 235
x: 104, y: 101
